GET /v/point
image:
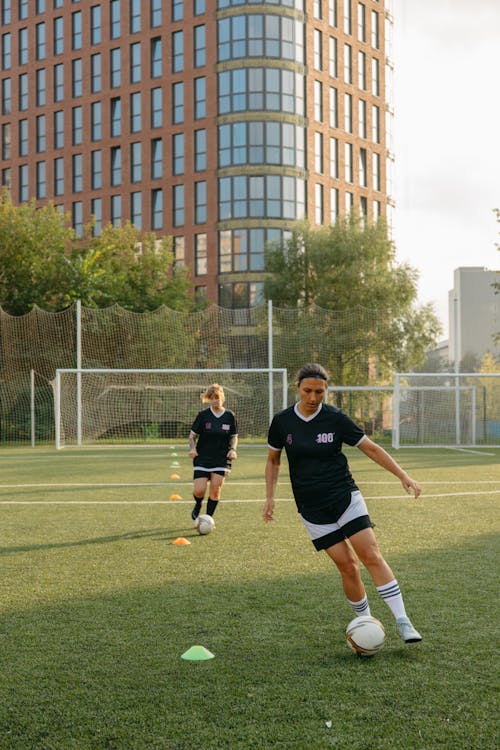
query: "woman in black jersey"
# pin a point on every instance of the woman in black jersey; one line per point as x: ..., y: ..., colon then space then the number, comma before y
x: 212, y: 446
x: 330, y: 504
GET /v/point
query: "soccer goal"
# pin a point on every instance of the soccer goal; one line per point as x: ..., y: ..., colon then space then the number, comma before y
x: 439, y: 410
x: 137, y: 406
x: 369, y: 405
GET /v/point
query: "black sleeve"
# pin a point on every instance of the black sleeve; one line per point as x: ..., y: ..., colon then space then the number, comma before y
x: 274, y: 436
x: 196, y: 427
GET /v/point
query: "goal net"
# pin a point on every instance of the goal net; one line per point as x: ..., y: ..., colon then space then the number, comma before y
x: 370, y: 407
x: 446, y: 409
x: 137, y: 406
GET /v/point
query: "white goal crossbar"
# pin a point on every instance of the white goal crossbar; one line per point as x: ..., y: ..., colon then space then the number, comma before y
x: 120, y: 390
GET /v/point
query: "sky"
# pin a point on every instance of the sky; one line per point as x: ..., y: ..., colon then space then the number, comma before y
x: 446, y: 140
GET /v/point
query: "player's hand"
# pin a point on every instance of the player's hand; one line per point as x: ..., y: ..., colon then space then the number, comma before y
x: 411, y: 486
x: 268, y: 510
x: 193, y: 453
x: 232, y: 454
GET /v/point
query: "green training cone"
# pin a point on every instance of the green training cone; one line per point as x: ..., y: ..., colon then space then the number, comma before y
x: 197, y: 653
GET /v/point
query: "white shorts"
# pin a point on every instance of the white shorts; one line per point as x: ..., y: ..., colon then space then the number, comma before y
x: 354, y: 519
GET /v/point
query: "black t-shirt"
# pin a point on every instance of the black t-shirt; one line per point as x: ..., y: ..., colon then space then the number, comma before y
x: 319, y: 471
x: 214, y: 439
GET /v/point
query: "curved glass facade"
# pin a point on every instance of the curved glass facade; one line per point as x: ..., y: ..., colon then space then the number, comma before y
x: 260, y: 35
x: 261, y: 142
x: 261, y: 89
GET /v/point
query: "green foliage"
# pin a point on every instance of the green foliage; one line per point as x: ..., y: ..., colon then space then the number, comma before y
x: 350, y: 264
x: 43, y: 263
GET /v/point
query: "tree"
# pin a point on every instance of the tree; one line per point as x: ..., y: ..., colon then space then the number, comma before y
x: 122, y: 267
x: 42, y: 262
x: 346, y: 267
x: 33, y: 246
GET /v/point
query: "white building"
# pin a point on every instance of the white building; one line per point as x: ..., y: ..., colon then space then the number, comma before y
x: 474, y: 313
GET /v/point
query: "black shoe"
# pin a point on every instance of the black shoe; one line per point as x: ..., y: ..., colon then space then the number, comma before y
x: 196, y: 511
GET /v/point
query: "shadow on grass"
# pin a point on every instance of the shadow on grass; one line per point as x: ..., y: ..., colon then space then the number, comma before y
x: 162, y: 534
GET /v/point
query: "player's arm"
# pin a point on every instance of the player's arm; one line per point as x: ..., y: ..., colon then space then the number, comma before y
x: 233, y: 444
x: 193, y: 437
x: 271, y: 473
x: 383, y: 459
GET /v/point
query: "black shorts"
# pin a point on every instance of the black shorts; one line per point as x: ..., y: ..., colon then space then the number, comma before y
x: 201, y: 473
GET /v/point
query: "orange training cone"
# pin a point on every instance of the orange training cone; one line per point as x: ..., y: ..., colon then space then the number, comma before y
x: 174, y: 476
x: 175, y: 497
x: 181, y: 541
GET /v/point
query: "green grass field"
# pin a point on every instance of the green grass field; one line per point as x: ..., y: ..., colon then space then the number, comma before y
x: 97, y: 607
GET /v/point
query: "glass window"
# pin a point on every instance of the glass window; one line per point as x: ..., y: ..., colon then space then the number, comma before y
x: 95, y: 73
x: 178, y: 153
x: 77, y: 178
x: 23, y: 92
x: 179, y: 250
x: 136, y: 162
x: 95, y: 24
x: 375, y: 124
x: 361, y: 22
x: 200, y: 202
x: 156, y: 108
x: 318, y: 152
x: 41, y: 180
x: 96, y: 209
x: 6, y: 96
x: 135, y: 16
x: 58, y: 35
x: 41, y: 134
x: 96, y: 121
x: 348, y: 113
x: 177, y: 51
x: 362, y: 118
x: 59, y: 176
x: 156, y: 158
x: 116, y: 116
x: 156, y: 58
x: 347, y: 17
x: 23, y: 9
x: 376, y: 171
x: 178, y: 205
x: 23, y: 46
x: 23, y: 183
x: 116, y: 210
x: 77, y: 125
x: 41, y: 88
x: 40, y: 7
x: 200, y: 98
x: 375, y: 34
x: 155, y: 14
x: 6, y: 12
x: 318, y: 53
x: 157, y: 208
x: 77, y: 217
x: 334, y: 158
x: 363, y: 174
x: 59, y: 82
x: 135, y: 113
x: 200, y: 150
x: 178, y: 102
x: 332, y: 56
x: 318, y: 101
x: 362, y: 70
x: 348, y: 173
x: 199, y: 46
x: 96, y: 170
x: 135, y: 62
x: 23, y: 140
x: 334, y: 205
x: 40, y: 41
x: 198, y: 7
x: 317, y: 10
x: 116, y: 67
x: 116, y: 165
x: 136, y: 209
x: 114, y: 19
x: 76, y: 78
x: 318, y: 203
x: 76, y: 30
x: 200, y: 255
x: 375, y: 77
x: 348, y: 63
x: 177, y: 10
x: 59, y: 129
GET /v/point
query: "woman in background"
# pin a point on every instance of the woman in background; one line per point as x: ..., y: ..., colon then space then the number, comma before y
x: 213, y: 440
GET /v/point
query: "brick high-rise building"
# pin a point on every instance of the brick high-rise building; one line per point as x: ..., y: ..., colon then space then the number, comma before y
x: 219, y: 122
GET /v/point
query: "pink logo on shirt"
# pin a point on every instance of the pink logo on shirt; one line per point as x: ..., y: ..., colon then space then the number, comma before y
x: 289, y: 439
x: 208, y: 425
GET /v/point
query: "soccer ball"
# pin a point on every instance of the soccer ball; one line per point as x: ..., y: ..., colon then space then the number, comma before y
x: 204, y: 524
x: 365, y: 635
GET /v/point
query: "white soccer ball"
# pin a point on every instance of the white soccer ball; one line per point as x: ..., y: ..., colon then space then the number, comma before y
x: 204, y: 524
x: 365, y: 635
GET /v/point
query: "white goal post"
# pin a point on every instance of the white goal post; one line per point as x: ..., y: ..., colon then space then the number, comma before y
x: 121, y: 405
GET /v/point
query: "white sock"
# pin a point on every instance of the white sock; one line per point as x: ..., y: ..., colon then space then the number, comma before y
x: 391, y: 594
x: 362, y: 607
